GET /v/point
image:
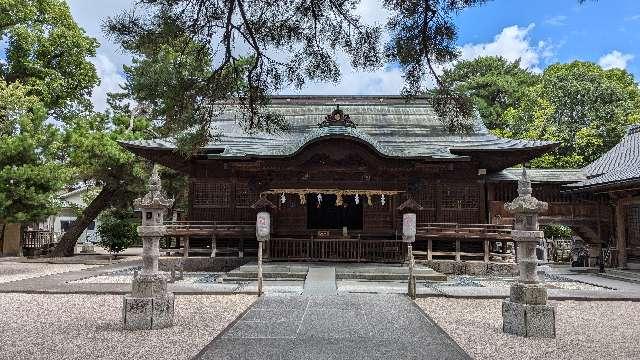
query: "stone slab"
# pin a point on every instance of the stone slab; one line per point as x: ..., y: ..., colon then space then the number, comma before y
x: 320, y: 281
x: 335, y: 327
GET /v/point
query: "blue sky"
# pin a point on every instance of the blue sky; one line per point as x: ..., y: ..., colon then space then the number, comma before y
x: 540, y: 32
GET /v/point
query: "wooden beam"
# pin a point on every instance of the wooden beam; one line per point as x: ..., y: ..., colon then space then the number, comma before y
x: 620, y: 234
x: 486, y: 251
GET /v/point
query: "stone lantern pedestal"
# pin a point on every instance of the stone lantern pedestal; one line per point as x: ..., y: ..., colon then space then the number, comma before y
x: 526, y: 312
x: 150, y: 305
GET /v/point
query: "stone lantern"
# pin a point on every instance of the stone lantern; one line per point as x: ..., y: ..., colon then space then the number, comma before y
x: 150, y: 305
x: 526, y: 312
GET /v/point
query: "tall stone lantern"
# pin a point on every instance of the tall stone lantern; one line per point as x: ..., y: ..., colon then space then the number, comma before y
x: 150, y: 305
x: 526, y: 312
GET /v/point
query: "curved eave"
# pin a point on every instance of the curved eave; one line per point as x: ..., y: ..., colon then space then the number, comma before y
x: 603, y: 186
x: 496, y: 159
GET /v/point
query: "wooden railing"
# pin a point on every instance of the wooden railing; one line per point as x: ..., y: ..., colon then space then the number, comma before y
x: 187, y: 228
x: 336, y: 250
x: 447, y: 230
x: 36, y: 239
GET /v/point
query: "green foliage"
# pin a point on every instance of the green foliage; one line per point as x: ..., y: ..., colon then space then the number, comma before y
x: 493, y: 83
x: 557, y: 231
x: 583, y: 107
x: 118, y: 230
x: 30, y: 175
x: 580, y: 105
x: 44, y: 77
x: 47, y: 51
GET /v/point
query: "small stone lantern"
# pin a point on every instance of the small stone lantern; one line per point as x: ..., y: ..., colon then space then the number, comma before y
x: 526, y: 312
x: 150, y: 305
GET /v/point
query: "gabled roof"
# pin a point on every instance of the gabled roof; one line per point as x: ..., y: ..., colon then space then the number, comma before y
x: 618, y: 166
x: 388, y: 124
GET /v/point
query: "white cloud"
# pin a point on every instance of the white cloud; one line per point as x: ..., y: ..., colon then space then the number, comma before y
x: 512, y: 43
x: 110, y: 81
x: 615, y: 59
x: 558, y: 20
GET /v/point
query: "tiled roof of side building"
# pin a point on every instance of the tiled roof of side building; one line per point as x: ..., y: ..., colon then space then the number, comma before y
x: 619, y: 165
x: 391, y: 126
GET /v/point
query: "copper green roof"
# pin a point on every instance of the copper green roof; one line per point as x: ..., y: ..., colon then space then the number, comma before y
x: 388, y: 124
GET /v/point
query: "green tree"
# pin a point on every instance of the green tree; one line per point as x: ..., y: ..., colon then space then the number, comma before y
x: 44, y: 76
x: 580, y: 105
x: 495, y: 85
x: 96, y: 157
x: 47, y: 52
x: 118, y: 230
x: 30, y: 175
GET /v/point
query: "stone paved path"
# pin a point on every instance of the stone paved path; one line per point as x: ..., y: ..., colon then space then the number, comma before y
x: 321, y: 281
x: 333, y: 327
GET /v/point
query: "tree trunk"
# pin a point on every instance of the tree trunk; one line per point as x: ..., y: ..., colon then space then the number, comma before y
x: 68, y: 241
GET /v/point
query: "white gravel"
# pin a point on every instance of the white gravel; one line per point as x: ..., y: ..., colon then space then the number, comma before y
x: 585, y: 330
x: 14, y: 271
x: 89, y: 327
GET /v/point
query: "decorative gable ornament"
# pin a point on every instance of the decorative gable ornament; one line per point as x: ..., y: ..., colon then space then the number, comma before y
x: 337, y: 118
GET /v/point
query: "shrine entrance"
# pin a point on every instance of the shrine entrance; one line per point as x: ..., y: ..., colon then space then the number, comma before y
x: 326, y: 213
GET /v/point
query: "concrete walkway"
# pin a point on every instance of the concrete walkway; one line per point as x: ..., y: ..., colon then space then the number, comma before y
x: 333, y: 327
x: 320, y: 281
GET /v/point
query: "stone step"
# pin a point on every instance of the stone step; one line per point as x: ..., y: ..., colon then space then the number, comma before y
x: 342, y: 271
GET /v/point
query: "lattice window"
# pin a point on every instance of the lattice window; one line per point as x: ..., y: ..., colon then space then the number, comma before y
x: 633, y: 225
x: 426, y: 197
x: 211, y: 194
x: 464, y: 196
x: 244, y: 197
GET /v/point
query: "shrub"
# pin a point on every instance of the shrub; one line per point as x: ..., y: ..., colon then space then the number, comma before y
x: 118, y: 230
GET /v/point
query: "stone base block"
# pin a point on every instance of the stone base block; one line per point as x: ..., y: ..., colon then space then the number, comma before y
x: 532, y: 294
x: 149, y: 285
x: 148, y: 313
x: 528, y: 320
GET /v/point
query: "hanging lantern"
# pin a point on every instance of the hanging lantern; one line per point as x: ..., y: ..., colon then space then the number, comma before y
x: 357, y: 199
x: 283, y: 199
x: 382, y: 200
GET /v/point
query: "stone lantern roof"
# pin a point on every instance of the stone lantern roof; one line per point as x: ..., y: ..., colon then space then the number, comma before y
x: 154, y: 199
x: 525, y: 203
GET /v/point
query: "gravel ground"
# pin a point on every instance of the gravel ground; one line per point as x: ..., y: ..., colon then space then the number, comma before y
x: 89, y: 327
x: 585, y: 330
x: 13, y: 271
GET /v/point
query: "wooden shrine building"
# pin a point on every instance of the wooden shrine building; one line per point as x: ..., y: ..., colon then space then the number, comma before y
x: 338, y: 176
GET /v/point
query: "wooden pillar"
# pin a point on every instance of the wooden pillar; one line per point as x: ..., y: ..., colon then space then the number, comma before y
x: 260, y: 268
x: 620, y: 234
x: 241, y: 248
x: 429, y: 249
x: 486, y: 251
x: 412, y: 279
x: 185, y: 254
x: 457, y: 249
x: 214, y: 245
